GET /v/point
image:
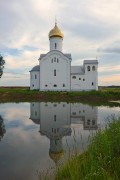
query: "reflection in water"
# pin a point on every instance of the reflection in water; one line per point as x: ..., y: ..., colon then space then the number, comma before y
x: 2, y: 128
x: 55, y: 121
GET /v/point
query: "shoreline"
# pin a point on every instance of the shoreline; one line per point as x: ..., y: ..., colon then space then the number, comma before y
x: 23, y: 94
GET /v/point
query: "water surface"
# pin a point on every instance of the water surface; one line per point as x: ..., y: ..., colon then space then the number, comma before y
x: 35, y: 136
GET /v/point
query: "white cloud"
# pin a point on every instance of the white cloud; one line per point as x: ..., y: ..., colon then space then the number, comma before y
x: 87, y: 25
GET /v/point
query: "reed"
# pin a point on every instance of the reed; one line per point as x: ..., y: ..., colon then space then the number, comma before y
x: 100, y: 161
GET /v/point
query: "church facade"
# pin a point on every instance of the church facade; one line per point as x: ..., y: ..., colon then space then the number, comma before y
x: 55, y: 73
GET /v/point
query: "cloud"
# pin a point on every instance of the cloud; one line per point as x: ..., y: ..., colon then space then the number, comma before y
x: 91, y: 29
x: 110, y: 80
x: 109, y: 50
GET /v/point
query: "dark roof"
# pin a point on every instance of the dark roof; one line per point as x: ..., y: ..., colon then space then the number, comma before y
x: 35, y: 68
x: 90, y: 61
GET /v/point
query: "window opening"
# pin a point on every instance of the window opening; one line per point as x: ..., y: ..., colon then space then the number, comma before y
x: 74, y: 77
x: 55, y: 85
x: 55, y: 45
x: 88, y: 68
x: 54, y: 117
x: 93, y: 68
x: 54, y: 72
x: 35, y: 76
x: 54, y: 59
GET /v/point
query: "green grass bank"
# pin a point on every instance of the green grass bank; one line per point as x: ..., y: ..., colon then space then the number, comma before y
x: 23, y: 94
x: 101, y: 161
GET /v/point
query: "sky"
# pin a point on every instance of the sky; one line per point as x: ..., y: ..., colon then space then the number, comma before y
x: 91, y: 31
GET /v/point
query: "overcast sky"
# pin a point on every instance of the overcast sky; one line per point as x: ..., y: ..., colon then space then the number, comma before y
x: 91, y: 30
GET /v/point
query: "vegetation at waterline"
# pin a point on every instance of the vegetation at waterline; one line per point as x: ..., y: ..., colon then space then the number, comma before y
x: 23, y: 94
x: 101, y: 161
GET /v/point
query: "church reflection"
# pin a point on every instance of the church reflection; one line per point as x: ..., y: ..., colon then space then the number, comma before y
x: 55, y: 121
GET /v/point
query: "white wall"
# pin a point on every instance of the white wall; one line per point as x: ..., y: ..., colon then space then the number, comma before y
x: 34, y: 80
x: 87, y: 81
x: 47, y: 68
x: 58, y: 42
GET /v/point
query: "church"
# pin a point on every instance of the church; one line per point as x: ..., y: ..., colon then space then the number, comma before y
x: 55, y: 73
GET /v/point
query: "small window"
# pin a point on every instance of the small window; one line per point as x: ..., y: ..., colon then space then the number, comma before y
x: 55, y: 131
x: 54, y: 72
x: 92, y: 83
x: 93, y: 68
x: 93, y: 122
x: 57, y: 60
x: 55, y: 45
x: 88, y: 122
x: 55, y: 85
x: 63, y: 85
x: 79, y: 78
x: 35, y: 76
x: 74, y: 77
x: 54, y: 117
x: 88, y: 68
x: 54, y: 59
x: 35, y: 113
x: 83, y: 79
x: 74, y: 113
x: 32, y: 85
x: 46, y: 85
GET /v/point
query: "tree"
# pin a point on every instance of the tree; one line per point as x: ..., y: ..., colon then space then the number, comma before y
x: 2, y: 128
x: 2, y: 62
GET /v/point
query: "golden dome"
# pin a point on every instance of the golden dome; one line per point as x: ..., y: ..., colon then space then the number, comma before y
x: 56, y: 32
x: 56, y: 156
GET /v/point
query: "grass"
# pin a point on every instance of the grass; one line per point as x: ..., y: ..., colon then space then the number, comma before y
x: 23, y: 94
x: 101, y: 161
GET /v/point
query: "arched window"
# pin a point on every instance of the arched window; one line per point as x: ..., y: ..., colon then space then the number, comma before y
x: 54, y: 117
x: 88, y: 68
x: 54, y: 59
x: 54, y: 72
x: 55, y: 45
x: 93, y: 68
x: 74, y: 77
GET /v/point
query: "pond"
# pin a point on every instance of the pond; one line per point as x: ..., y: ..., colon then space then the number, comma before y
x: 38, y: 136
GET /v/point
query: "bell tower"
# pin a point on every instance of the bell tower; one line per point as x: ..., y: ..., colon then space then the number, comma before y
x: 56, y: 38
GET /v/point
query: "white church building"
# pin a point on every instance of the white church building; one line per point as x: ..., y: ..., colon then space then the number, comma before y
x: 55, y: 73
